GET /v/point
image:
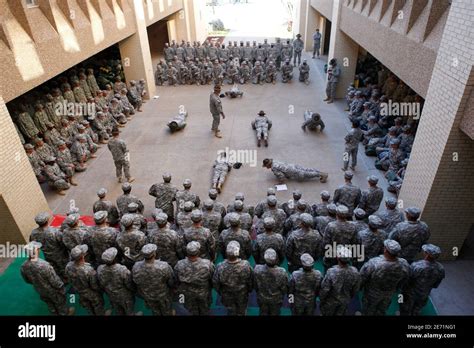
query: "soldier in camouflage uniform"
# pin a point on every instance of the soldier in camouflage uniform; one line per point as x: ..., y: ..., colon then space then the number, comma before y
x: 52, y: 244
x: 352, y: 140
x: 268, y: 240
x: 75, y: 232
x: 154, y: 280
x: 120, y: 155
x: 262, y: 125
x: 117, y: 282
x: 234, y: 232
x: 424, y: 275
x: 139, y: 220
x: 293, y: 221
x: 271, y: 284
x: 124, y: 200
x: 217, y: 206
x: 304, y: 240
x: 233, y: 280
x: 293, y: 171
x: 186, y: 196
x: 52, y: 136
x: 391, y: 216
x: 36, y: 162
x: 83, y: 279
x: 348, y: 194
x: 381, y: 277
x: 55, y: 176
x: 65, y: 161
x: 304, y: 72
x: 360, y: 219
x: 103, y: 204
x: 221, y: 168
x: 193, y: 277
x: 211, y: 218
x: 258, y: 74
x: 286, y: 71
x: 130, y: 241
x: 271, y: 73
x: 411, y: 234
x: 246, y: 219
x: 321, y: 222
x: 371, y: 198
x: 276, y: 213
x: 305, y: 284
x: 321, y: 209
x: 26, y: 124
x: 202, y: 235
x: 183, y: 219
x: 337, y: 232
x: 43, y: 150
x: 340, y: 284
x: 239, y: 196
x: 313, y: 121
x: 169, y: 245
x: 372, y: 238
x: 101, y: 237
x: 45, y: 281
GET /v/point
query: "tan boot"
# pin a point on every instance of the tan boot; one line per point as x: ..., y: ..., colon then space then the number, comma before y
x: 120, y: 180
x: 323, y: 177
x: 330, y: 101
x: 72, y: 182
x: 217, y: 134
x: 131, y: 179
x: 62, y: 193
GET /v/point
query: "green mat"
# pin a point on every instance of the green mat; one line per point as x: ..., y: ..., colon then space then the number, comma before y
x: 19, y: 298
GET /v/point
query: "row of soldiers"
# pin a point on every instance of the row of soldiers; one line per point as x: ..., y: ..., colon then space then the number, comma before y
x: 201, y: 65
x: 67, y: 126
x: 172, y: 258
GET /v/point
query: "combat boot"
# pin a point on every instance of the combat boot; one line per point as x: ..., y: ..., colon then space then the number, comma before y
x: 72, y: 182
x: 258, y: 142
x: 266, y: 142
x: 323, y: 177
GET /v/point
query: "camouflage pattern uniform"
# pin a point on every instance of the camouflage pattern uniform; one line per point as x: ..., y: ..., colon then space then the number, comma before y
x: 119, y: 151
x: 130, y: 241
x: 211, y: 218
x: 110, y: 208
x: 269, y: 240
x: 295, y: 172
x: 117, y: 282
x: 237, y: 234
x: 101, y: 238
x: 371, y: 198
x: 169, y: 245
x: 305, y: 285
x: 186, y: 195
x: 391, y: 216
x: 205, y: 239
x: 348, y: 194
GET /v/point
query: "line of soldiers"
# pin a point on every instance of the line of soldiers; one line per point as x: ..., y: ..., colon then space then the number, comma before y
x: 203, y: 64
x: 172, y: 258
x: 66, y: 126
x: 388, y: 138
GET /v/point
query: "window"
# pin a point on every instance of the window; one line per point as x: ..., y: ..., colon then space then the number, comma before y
x: 31, y: 3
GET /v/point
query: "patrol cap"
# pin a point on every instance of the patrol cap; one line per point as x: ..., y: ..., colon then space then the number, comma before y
x: 271, y: 201
x: 187, y: 183
x: 208, y: 204
x: 132, y: 207
x: 148, y: 250
x: 72, y: 210
x: 84, y: 122
x: 375, y: 221
x: 271, y: 191
x: 72, y: 219
x: 395, y: 141
x: 196, y: 216
x: 359, y: 213
x: 100, y: 216
x: 61, y: 143
x: 233, y: 248
x: 392, y: 247
x: 358, y: 93
x: 413, y: 212
x: 78, y: 251
x: 238, y: 205
x: 80, y: 136
x: 348, y: 175
x: 80, y: 127
x: 50, y: 159
x: 306, y: 219
x: 297, y: 194
x: 109, y: 255
x: 49, y: 125
x: 160, y: 217
x: 307, y: 260
x: 127, y: 220
x: 372, y: 179
x: 167, y: 177
x: 32, y: 246
x: 126, y: 187
x: 372, y: 118
x: 392, y: 129
x: 234, y: 219
x: 269, y: 223
x: 213, y: 193
x: 302, y: 204
x: 102, y: 192
x: 325, y: 195
x: 343, y: 253
x: 188, y: 206
x: 351, y: 93
x: 332, y: 208
x: 270, y: 256
x: 391, y: 202
x: 42, y: 218
x: 193, y: 248
x: 342, y: 210
x: 433, y: 250
x: 28, y: 146
x: 239, y: 196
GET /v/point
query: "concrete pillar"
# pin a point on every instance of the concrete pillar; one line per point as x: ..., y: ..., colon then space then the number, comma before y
x: 439, y: 176
x: 21, y: 197
x: 135, y: 52
x: 313, y: 20
x: 344, y: 49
